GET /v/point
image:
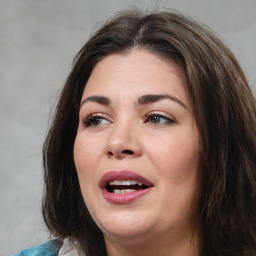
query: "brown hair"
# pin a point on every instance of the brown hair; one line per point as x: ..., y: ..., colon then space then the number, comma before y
x: 225, y: 113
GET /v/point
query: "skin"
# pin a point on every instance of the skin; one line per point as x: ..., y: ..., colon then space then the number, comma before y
x: 158, y: 141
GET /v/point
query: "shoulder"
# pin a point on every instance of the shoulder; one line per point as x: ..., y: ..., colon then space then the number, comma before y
x: 50, y: 248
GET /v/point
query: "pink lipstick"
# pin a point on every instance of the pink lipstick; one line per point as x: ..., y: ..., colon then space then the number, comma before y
x: 122, y: 187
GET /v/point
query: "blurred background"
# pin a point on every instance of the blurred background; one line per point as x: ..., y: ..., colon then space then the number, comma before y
x: 38, y: 40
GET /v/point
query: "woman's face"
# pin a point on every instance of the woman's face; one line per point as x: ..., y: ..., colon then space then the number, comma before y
x: 137, y: 149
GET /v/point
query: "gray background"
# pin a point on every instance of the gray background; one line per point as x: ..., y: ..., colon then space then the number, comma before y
x: 38, y: 40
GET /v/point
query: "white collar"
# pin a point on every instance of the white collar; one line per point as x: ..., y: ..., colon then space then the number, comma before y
x: 69, y: 249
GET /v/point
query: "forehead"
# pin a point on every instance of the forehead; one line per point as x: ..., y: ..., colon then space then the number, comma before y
x: 137, y: 72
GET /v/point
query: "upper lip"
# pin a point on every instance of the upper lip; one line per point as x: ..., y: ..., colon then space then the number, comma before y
x: 122, y: 175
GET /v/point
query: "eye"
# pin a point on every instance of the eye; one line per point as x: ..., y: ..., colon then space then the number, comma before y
x: 95, y: 120
x: 159, y: 119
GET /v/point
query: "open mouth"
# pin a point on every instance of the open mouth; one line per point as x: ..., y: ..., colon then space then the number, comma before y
x: 123, y: 182
x: 124, y: 186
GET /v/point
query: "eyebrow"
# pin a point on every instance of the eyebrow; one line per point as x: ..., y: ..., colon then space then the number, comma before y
x: 143, y: 100
x: 98, y: 99
x: 151, y: 98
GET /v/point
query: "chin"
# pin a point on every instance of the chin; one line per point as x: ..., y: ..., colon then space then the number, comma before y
x: 126, y: 225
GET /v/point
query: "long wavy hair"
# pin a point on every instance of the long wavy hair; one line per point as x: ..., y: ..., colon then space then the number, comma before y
x: 225, y: 113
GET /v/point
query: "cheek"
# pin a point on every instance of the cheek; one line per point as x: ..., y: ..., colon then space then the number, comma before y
x: 181, y: 177
x: 180, y: 148
x: 85, y: 157
x: 177, y: 156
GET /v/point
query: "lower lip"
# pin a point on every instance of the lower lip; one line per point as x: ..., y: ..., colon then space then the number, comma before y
x: 124, y: 198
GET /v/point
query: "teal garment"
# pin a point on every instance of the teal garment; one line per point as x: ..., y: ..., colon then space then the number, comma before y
x: 50, y: 248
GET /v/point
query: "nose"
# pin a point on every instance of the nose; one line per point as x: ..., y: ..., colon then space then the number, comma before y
x: 123, y: 142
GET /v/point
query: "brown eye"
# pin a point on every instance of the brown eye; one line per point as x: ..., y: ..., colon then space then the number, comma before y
x: 158, y: 119
x: 94, y: 120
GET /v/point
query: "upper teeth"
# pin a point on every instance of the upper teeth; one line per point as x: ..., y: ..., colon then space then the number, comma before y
x: 125, y: 182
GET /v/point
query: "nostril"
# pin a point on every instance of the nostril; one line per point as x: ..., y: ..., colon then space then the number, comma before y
x: 127, y: 151
x: 110, y: 153
x: 121, y: 154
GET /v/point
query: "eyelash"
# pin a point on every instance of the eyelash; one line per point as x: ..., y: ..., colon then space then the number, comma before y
x: 93, y: 120
x: 154, y: 118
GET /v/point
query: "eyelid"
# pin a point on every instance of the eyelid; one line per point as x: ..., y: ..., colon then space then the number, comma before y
x: 86, y: 119
x: 159, y: 119
x: 160, y: 113
x: 94, y: 113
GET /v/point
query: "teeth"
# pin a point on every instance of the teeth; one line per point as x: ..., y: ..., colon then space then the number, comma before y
x: 122, y: 191
x: 125, y: 182
x: 117, y: 182
x: 130, y: 190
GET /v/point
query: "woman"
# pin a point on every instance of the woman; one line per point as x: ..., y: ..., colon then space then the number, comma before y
x: 152, y: 148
